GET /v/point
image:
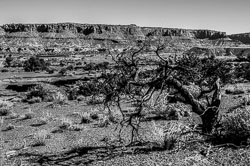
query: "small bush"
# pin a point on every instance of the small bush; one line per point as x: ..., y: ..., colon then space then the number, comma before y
x: 47, y: 93
x: 34, y: 100
x: 70, y: 67
x: 4, y: 111
x: 9, y: 127
x: 80, y: 98
x: 35, y: 64
x: 67, y: 124
x: 234, y: 90
x: 85, y: 117
x: 167, y: 139
x: 104, y: 121
x: 233, y: 128
x: 63, y: 71
x: 94, y: 100
x: 4, y: 70
x: 75, y: 127
x: 40, y: 138
x: 13, y: 115
x: 28, y: 115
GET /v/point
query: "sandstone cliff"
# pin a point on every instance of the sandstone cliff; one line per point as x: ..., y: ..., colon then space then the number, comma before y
x: 243, y: 37
x: 79, y: 38
x: 70, y: 30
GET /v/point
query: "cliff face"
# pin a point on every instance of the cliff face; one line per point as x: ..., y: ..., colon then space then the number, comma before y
x: 70, y: 37
x: 243, y: 37
x: 111, y: 31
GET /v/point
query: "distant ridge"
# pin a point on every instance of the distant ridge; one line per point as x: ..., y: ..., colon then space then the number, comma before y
x: 109, y: 31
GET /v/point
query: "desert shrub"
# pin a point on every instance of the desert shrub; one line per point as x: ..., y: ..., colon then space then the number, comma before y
x: 78, y: 63
x: 73, y: 93
x: 47, y: 93
x: 233, y: 128
x: 9, y: 60
x: 173, y: 111
x: 82, y: 89
x: 13, y: 115
x: 85, y: 117
x: 89, y: 66
x: 4, y: 111
x: 17, y: 63
x: 5, y: 108
x: 103, y: 65
x: 94, y: 116
x: 104, y: 120
x: 80, y: 98
x: 234, y: 91
x: 93, y: 100
x: 4, y: 70
x: 168, y: 139
x: 9, y: 127
x: 75, y: 127
x: 242, y: 70
x: 65, y: 123
x: 89, y: 88
x: 197, y: 159
x: 63, y: 71
x: 34, y: 100
x: 28, y: 115
x: 68, y: 124
x: 40, y: 138
x: 50, y: 70
x: 35, y: 64
x: 70, y: 67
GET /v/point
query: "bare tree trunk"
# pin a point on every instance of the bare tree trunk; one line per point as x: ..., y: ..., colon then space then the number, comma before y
x: 208, y: 115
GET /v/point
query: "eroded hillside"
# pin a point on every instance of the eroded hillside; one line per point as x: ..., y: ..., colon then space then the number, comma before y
x: 81, y: 38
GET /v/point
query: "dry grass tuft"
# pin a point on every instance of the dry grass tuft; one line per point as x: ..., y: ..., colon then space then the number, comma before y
x: 28, y: 115
x: 197, y: 160
x: 67, y: 124
x: 13, y: 115
x: 40, y: 138
x: 85, y: 117
x: 167, y: 139
x: 4, y: 111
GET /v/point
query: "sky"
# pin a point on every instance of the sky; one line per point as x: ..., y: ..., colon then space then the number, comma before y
x: 230, y: 16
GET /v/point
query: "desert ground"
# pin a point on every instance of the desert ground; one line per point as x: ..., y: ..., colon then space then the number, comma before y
x: 56, y: 109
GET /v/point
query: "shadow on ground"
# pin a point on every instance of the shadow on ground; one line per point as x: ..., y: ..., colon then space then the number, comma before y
x: 86, y: 155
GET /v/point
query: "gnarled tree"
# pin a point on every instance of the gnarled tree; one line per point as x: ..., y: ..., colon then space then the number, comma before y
x: 137, y: 78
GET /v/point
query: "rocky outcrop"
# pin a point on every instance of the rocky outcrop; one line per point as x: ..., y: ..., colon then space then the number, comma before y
x: 110, y: 31
x: 243, y: 37
x: 71, y: 38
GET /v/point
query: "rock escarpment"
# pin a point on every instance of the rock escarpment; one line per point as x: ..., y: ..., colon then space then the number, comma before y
x: 71, y: 38
x: 70, y: 30
x: 243, y: 37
